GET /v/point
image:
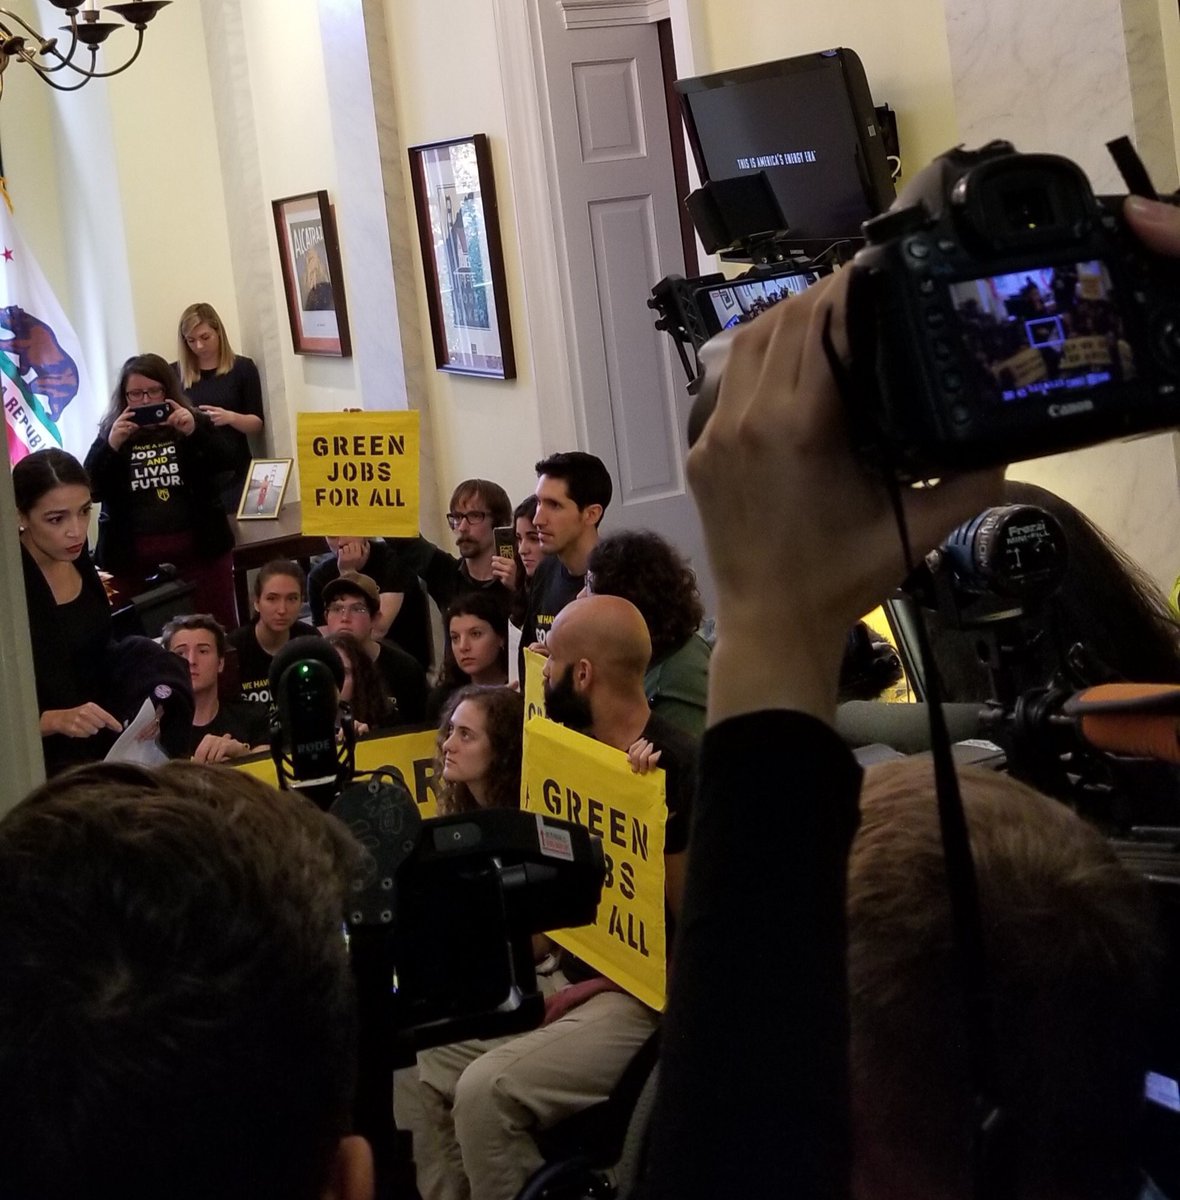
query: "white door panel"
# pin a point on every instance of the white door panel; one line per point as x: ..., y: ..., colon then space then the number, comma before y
x: 611, y: 178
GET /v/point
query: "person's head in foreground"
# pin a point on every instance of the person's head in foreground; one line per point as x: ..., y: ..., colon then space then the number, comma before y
x: 177, y: 1016
x: 1071, y: 957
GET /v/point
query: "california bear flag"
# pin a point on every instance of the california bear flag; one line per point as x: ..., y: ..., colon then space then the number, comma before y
x: 46, y: 395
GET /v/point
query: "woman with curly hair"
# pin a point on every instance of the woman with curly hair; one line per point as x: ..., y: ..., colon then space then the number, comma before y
x: 479, y: 750
x: 642, y: 567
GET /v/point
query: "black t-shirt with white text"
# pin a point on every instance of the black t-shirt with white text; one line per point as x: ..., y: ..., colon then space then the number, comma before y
x: 160, y: 500
x: 553, y: 587
x: 254, y: 662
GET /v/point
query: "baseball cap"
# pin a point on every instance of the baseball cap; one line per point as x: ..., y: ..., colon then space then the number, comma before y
x: 353, y: 583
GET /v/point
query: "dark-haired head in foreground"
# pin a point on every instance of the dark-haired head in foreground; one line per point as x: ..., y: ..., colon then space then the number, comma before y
x: 649, y: 571
x: 176, y: 1007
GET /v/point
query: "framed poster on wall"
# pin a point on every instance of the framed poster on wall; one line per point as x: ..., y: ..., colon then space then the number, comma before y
x: 459, y: 231
x: 313, y: 281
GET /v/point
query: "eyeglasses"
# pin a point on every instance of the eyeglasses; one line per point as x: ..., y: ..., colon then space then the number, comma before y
x: 352, y: 610
x: 474, y: 516
x: 152, y: 393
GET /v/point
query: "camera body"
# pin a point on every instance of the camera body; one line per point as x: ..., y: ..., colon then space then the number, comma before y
x: 1001, y: 312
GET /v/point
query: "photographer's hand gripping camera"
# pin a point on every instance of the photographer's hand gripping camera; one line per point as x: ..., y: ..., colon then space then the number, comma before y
x: 1000, y: 311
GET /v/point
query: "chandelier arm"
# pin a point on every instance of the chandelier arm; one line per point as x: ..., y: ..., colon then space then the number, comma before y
x: 45, y: 46
x: 28, y: 54
x: 60, y: 87
x: 87, y: 74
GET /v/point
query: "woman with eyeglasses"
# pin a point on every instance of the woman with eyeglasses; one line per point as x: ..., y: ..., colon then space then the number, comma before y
x: 154, y: 468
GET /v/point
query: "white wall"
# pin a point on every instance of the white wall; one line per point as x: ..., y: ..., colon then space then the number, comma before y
x: 448, y: 85
x: 170, y: 184
x: 902, y: 44
x: 296, y: 155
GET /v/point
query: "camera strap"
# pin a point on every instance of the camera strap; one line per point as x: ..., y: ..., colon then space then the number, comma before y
x: 992, y: 1148
x: 993, y: 1156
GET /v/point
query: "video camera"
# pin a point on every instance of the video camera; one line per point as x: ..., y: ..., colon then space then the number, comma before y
x: 441, y: 911
x: 457, y: 899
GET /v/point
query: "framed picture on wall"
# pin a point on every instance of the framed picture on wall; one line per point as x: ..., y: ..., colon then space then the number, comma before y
x: 266, y: 484
x: 313, y: 281
x: 459, y: 230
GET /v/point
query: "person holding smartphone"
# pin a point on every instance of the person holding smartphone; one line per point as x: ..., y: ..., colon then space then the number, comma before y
x: 154, y: 467
x: 223, y: 385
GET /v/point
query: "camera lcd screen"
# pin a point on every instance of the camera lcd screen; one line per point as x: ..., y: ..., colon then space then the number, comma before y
x: 723, y: 305
x: 1051, y: 330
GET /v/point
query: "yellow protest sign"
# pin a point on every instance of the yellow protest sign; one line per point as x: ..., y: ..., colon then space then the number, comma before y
x: 571, y: 776
x: 411, y: 753
x: 358, y: 473
x: 534, y: 685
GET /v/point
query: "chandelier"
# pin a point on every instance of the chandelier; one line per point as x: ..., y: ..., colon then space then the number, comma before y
x: 86, y: 29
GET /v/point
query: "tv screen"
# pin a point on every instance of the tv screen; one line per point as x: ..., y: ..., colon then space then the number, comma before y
x: 809, y: 123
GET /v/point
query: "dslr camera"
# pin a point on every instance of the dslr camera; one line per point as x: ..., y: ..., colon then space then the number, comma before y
x: 1002, y: 311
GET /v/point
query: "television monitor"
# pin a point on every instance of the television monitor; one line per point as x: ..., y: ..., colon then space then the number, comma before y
x: 809, y: 123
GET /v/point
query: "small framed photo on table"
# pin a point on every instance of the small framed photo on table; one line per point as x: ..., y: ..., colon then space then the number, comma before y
x: 266, y: 484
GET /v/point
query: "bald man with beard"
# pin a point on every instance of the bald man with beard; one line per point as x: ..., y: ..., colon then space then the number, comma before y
x: 482, y: 1121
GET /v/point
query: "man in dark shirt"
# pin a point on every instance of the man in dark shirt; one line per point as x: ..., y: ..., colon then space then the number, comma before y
x: 573, y: 491
x: 351, y: 604
x: 477, y: 507
x: 402, y: 616
x: 483, y: 1109
x: 220, y: 731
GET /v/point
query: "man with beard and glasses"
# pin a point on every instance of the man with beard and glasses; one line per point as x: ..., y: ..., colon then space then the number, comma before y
x: 484, y: 1101
x: 477, y: 507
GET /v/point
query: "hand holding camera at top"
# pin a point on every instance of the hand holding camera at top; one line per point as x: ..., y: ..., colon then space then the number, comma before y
x: 123, y: 427
x: 181, y: 419
x: 775, y: 461
x: 1156, y: 225
x: 801, y: 536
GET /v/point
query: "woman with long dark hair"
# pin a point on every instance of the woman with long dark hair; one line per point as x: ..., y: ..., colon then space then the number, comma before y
x: 476, y: 648
x: 153, y: 467
x: 363, y: 690
x: 526, y: 554
x: 479, y: 750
